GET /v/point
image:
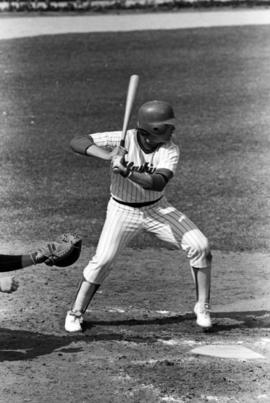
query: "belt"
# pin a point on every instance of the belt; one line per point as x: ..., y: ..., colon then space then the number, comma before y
x: 138, y: 205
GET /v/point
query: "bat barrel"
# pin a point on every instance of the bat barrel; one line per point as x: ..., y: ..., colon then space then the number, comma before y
x: 131, y: 93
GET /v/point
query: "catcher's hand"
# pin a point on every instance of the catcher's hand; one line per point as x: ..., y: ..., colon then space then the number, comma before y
x: 63, y: 252
x: 8, y: 284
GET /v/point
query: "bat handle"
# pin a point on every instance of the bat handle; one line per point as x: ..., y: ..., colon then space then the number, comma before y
x: 122, y: 143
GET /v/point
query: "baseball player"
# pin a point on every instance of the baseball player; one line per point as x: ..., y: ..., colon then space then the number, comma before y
x: 139, y: 175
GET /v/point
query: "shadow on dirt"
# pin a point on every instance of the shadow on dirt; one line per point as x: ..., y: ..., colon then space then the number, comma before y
x: 225, y: 321
x: 19, y: 345
x: 25, y: 345
x: 137, y: 322
x: 247, y: 319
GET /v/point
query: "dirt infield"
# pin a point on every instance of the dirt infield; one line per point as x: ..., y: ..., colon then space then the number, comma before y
x: 138, y: 339
x: 140, y: 332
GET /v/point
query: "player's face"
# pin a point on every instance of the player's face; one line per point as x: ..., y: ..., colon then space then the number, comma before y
x: 166, y: 136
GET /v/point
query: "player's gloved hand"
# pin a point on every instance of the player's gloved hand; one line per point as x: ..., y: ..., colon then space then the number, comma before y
x: 113, y: 153
x: 120, y: 152
x: 118, y: 162
x: 63, y: 252
x: 8, y: 284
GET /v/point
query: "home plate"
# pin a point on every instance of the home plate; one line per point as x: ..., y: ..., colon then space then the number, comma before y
x: 227, y: 351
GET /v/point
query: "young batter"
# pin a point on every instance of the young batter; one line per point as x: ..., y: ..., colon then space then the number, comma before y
x: 139, y: 175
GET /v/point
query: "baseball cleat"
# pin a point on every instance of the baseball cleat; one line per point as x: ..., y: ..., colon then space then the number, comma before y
x: 73, y: 322
x: 202, y: 311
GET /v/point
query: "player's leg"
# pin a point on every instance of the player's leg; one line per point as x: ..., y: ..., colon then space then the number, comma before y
x: 85, y: 293
x: 197, y: 248
x: 202, y: 280
x: 172, y: 226
x: 120, y: 226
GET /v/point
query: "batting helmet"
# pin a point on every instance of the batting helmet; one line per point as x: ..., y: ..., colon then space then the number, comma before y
x: 155, y: 116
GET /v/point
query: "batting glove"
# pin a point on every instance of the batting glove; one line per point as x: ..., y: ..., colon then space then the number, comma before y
x: 118, y: 162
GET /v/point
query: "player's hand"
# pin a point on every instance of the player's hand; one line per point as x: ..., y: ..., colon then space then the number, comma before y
x: 119, y: 167
x: 118, y: 162
x: 113, y: 153
x: 119, y: 151
x: 8, y: 284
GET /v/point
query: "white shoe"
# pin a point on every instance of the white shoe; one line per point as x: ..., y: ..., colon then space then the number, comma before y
x: 73, y: 322
x: 202, y: 311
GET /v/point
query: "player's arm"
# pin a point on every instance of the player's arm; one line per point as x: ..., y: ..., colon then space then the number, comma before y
x: 85, y: 145
x: 156, y: 181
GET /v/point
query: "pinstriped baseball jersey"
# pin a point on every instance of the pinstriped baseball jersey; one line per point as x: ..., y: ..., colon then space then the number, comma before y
x: 165, y: 156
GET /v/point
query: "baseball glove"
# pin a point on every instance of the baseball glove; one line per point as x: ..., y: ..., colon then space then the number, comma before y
x: 64, y: 251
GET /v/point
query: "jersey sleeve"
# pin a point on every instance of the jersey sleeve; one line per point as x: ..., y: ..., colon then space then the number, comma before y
x: 168, y: 158
x: 106, y: 139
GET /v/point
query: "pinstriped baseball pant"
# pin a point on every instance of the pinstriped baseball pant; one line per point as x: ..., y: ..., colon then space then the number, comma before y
x: 161, y: 219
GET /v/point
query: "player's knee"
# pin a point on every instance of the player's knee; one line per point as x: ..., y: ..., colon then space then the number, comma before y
x: 204, y: 251
x: 198, y: 249
x: 96, y: 272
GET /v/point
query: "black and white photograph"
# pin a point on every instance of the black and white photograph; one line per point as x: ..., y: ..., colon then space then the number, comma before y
x: 135, y: 199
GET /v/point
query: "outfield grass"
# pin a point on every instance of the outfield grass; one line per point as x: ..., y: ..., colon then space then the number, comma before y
x: 55, y: 87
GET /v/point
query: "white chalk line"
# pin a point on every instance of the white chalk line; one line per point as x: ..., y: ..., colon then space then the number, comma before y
x: 144, y: 312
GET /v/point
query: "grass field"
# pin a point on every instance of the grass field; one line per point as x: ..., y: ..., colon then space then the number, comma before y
x: 56, y: 87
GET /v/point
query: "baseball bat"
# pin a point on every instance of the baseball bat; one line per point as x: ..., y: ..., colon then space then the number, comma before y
x: 131, y: 93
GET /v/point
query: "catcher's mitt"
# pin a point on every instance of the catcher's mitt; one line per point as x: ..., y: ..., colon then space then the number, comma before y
x: 63, y: 252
